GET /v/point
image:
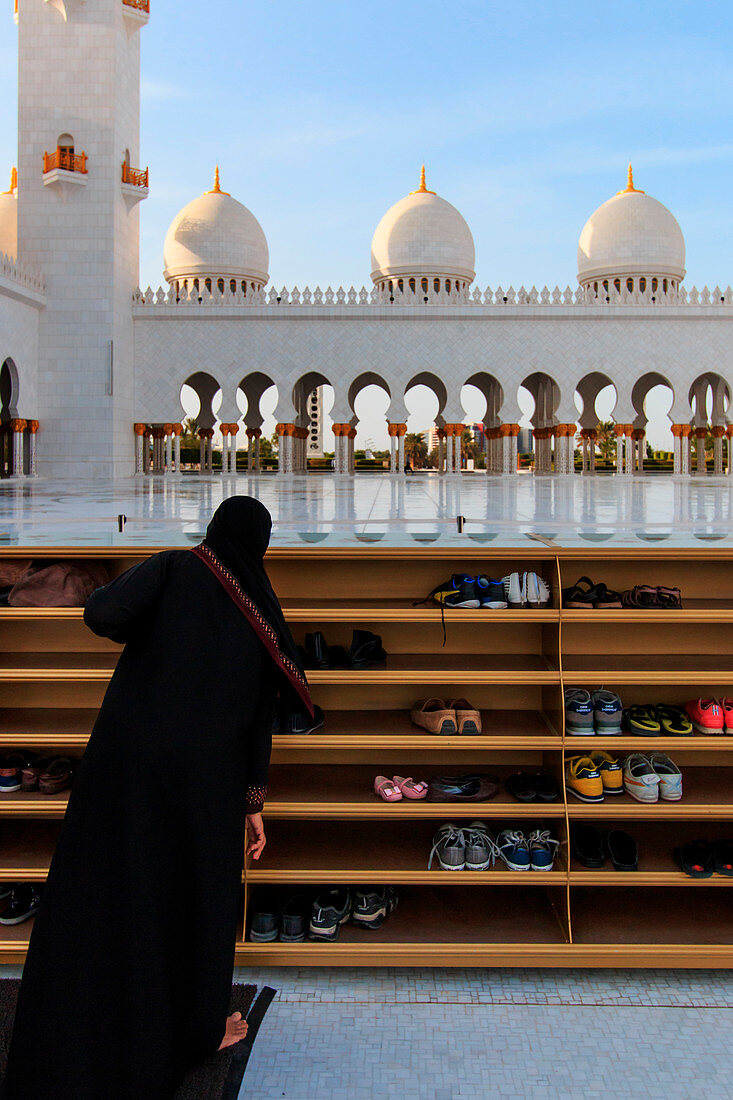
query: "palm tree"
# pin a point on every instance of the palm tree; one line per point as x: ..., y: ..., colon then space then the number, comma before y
x: 189, y: 435
x: 416, y: 451
x: 606, y: 440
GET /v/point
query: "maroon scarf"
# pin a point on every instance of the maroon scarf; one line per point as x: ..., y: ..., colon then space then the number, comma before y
x: 257, y: 621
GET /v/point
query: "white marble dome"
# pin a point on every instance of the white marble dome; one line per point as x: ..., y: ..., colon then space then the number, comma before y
x: 423, y: 235
x: 631, y: 234
x: 214, y: 235
x: 9, y: 223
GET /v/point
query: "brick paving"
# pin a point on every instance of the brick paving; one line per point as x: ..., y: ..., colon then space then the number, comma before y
x: 473, y: 1034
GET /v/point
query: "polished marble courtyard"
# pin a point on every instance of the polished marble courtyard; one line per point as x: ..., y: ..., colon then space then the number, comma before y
x: 328, y: 510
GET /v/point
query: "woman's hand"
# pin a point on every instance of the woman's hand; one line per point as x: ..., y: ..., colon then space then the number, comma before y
x: 256, y: 839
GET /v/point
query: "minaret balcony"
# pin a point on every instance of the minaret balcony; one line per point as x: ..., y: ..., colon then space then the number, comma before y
x: 134, y: 183
x: 65, y: 171
x: 136, y: 13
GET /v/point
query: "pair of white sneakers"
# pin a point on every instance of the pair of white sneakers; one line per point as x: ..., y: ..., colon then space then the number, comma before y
x: 526, y: 590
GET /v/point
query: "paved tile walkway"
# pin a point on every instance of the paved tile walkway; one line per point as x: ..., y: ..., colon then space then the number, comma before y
x: 330, y: 511
x: 479, y: 1034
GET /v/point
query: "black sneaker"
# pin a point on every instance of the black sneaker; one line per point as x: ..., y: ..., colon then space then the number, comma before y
x: 24, y: 901
x: 297, y: 723
x: 459, y: 591
x: 265, y: 920
x: 372, y: 907
x: 330, y: 910
x: 294, y: 919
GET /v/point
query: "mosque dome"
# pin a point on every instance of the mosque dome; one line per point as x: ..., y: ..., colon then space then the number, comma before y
x: 9, y: 218
x: 631, y: 235
x: 215, y: 236
x: 423, y: 236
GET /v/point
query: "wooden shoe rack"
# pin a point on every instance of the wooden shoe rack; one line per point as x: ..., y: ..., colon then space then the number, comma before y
x: 326, y: 827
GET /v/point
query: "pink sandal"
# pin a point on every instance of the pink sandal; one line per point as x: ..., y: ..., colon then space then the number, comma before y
x: 409, y: 788
x: 386, y: 789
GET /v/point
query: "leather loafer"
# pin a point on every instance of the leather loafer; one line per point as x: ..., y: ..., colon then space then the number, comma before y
x: 57, y: 776
x: 366, y: 649
x: 462, y: 788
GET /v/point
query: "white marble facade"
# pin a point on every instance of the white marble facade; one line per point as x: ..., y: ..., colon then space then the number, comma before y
x: 92, y: 368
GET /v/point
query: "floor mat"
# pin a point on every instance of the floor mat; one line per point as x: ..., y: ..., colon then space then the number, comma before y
x: 220, y: 1078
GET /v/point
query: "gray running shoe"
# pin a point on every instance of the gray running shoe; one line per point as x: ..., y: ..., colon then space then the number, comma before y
x: 449, y: 846
x: 481, y: 850
x: 607, y: 712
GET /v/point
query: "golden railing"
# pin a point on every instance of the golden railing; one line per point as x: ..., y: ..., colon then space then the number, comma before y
x: 64, y: 158
x: 135, y: 176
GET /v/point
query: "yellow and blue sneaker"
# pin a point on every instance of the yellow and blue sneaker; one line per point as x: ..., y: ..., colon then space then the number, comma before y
x: 583, y: 779
x: 612, y: 774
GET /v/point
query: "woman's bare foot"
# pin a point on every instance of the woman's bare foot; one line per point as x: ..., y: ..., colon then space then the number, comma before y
x: 236, y: 1030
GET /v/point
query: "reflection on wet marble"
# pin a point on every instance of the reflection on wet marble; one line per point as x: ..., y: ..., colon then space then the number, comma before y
x: 327, y: 510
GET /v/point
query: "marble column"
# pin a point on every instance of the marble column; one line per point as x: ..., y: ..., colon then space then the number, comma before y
x: 140, y: 433
x: 729, y: 435
x: 177, y: 432
x: 700, y: 434
x: 224, y: 429
x: 202, y: 450
x: 638, y: 435
x: 441, y: 451
x: 619, y: 430
x: 168, y: 440
x: 628, y: 448
x: 17, y: 427
x: 457, y: 439
x: 677, y: 448
x: 401, y: 433
x: 392, y: 433
x: 685, y: 449
x: 718, y: 433
x: 351, y: 438
x: 448, y: 429
x: 33, y: 426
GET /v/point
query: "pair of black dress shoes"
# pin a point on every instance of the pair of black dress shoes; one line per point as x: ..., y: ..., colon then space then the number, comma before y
x: 366, y: 649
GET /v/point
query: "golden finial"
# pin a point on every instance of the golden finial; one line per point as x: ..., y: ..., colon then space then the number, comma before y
x: 629, y: 188
x: 216, y: 189
x: 422, y: 189
x: 13, y: 181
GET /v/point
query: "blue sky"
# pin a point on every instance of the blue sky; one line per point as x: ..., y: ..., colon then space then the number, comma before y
x: 320, y: 115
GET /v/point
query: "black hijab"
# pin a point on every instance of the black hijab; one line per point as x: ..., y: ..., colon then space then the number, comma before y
x: 239, y: 534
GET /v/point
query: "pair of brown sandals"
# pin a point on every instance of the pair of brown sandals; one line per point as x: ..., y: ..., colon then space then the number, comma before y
x: 585, y: 595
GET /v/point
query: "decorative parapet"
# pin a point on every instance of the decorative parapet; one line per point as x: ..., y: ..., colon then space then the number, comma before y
x: 19, y: 281
x: 220, y: 294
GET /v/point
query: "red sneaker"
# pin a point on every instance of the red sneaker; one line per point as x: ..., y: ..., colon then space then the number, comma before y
x: 706, y: 716
x: 726, y: 704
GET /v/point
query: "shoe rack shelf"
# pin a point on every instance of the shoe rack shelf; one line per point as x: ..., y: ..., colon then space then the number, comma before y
x: 326, y: 827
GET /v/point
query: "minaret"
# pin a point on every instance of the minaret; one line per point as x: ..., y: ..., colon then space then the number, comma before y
x: 78, y: 195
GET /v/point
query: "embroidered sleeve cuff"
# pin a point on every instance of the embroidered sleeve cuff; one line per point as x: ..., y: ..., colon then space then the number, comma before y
x: 255, y: 799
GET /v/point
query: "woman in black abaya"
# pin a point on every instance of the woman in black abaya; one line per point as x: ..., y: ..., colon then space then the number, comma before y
x: 128, y: 976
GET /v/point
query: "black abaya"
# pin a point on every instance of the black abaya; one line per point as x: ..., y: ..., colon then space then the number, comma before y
x: 128, y: 976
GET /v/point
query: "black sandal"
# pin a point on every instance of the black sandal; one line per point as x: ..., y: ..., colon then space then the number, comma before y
x: 578, y: 597
x: 695, y: 858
